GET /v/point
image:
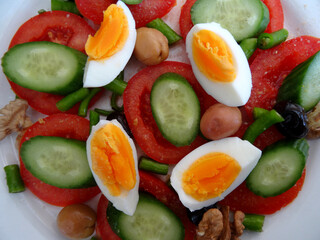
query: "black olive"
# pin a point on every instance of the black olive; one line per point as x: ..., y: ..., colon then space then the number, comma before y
x: 295, y: 119
x: 197, y: 215
x: 121, y: 118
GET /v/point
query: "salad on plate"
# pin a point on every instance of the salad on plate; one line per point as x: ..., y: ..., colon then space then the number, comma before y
x: 180, y: 119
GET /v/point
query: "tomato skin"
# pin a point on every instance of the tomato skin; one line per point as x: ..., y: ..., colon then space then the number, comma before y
x: 245, y: 200
x: 60, y: 125
x: 162, y: 192
x: 274, y: 6
x: 56, y: 26
x: 143, y: 13
x: 136, y: 102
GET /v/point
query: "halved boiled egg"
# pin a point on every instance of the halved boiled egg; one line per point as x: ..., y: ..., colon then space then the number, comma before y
x: 213, y: 170
x: 110, y: 49
x: 219, y: 64
x: 113, y: 161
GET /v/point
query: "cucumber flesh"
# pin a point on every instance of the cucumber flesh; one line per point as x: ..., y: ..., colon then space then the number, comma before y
x: 302, y: 85
x: 243, y: 18
x: 45, y: 67
x: 57, y: 161
x: 175, y: 108
x: 152, y: 220
x: 279, y: 168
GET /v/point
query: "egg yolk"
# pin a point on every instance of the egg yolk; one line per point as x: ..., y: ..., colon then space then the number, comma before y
x: 209, y: 176
x: 112, y: 159
x: 111, y: 36
x: 213, y: 57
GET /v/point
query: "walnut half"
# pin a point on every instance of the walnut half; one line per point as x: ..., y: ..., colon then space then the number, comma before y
x: 13, y: 118
x: 215, y: 225
x: 314, y: 122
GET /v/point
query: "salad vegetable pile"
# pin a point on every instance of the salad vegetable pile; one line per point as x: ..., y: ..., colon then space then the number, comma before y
x: 165, y: 132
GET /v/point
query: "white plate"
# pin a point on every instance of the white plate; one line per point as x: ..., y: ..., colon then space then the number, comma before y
x: 22, y: 216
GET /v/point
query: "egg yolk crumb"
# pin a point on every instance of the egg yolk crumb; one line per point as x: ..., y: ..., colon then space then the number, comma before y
x: 210, y: 175
x: 111, y: 36
x: 112, y: 159
x: 213, y: 57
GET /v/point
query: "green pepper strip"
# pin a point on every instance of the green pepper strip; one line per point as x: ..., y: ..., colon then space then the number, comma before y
x: 132, y: 2
x: 153, y: 166
x: 71, y: 99
x: 253, y: 222
x: 269, y: 40
x: 117, y: 85
x: 248, y: 46
x: 83, y: 108
x: 257, y: 112
x: 103, y: 112
x: 63, y: 5
x: 114, y: 104
x: 165, y: 29
x: 14, y: 180
x: 94, y: 118
x: 262, y: 123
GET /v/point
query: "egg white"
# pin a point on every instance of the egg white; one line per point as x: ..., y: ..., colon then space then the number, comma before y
x: 234, y: 93
x: 242, y: 151
x: 128, y: 200
x: 98, y: 73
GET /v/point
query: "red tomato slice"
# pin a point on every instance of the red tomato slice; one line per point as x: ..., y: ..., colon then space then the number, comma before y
x: 276, y: 15
x: 56, y: 26
x: 274, y: 6
x: 149, y: 10
x: 271, y: 66
x: 60, y: 125
x: 143, y: 13
x: 136, y: 102
x: 93, y: 9
x: 162, y: 192
x: 245, y: 200
x: 185, y: 18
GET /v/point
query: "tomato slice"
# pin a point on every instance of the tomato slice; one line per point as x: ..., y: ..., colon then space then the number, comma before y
x: 149, y: 10
x: 60, y: 125
x: 270, y: 67
x: 143, y: 13
x: 245, y: 200
x: 162, y: 192
x: 274, y: 6
x: 136, y: 102
x: 93, y: 9
x: 276, y: 15
x: 55, y: 26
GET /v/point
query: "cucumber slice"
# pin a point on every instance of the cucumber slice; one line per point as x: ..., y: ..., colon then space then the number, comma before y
x: 175, y: 108
x: 151, y: 220
x: 45, y: 67
x: 57, y: 161
x: 302, y: 85
x: 243, y: 18
x: 279, y: 168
